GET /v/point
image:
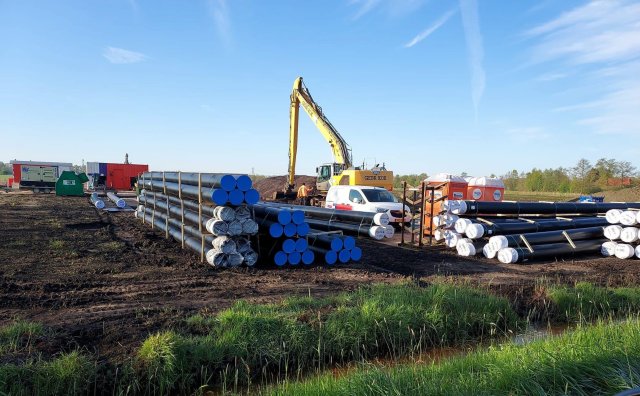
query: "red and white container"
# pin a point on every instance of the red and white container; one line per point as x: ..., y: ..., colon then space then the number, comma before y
x: 485, y: 189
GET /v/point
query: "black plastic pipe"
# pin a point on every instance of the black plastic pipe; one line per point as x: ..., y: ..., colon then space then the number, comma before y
x: 351, y: 216
x: 518, y: 255
x: 479, y: 230
x: 553, y: 208
x: 540, y: 238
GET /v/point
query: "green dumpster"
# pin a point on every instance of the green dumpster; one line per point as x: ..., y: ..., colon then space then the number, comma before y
x: 70, y: 184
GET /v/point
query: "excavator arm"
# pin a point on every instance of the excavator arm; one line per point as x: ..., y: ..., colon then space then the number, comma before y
x: 339, y: 147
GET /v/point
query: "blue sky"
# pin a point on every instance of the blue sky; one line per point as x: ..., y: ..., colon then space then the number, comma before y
x: 422, y: 85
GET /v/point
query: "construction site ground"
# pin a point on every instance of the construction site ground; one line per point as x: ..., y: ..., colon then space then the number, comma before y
x: 106, y: 281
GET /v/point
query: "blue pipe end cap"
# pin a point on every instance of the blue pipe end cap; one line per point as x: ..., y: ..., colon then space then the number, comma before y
x: 301, y: 245
x: 219, y: 196
x: 280, y: 258
x: 344, y: 256
x: 284, y: 217
x: 349, y: 242
x: 228, y: 182
x: 297, y: 216
x: 294, y: 258
x: 290, y: 230
x: 251, y: 196
x: 236, y: 197
x: 308, y: 257
x: 330, y: 257
x: 289, y: 246
x: 336, y: 244
x: 243, y: 182
x: 303, y: 229
x: 276, y: 230
x: 356, y: 254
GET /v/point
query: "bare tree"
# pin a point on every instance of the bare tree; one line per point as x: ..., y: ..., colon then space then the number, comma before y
x: 625, y: 169
x: 580, y: 172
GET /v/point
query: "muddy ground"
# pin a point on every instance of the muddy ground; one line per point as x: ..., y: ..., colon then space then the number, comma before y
x: 105, y: 280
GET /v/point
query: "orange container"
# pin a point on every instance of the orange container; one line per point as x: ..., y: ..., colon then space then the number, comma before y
x: 451, y: 186
x: 485, y: 189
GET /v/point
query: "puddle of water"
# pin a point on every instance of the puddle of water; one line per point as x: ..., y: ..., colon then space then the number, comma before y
x: 535, y: 333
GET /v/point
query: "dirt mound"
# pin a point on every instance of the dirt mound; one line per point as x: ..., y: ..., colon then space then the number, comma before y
x: 267, y: 187
x: 623, y: 195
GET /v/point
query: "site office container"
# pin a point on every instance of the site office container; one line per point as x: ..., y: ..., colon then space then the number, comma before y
x: 122, y: 176
x: 37, y: 174
x: 452, y: 186
x: 485, y: 189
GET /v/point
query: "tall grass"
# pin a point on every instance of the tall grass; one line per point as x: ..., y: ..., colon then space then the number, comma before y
x: 68, y: 374
x: 602, y: 359
x: 19, y: 335
x: 586, y: 302
x: 251, y: 342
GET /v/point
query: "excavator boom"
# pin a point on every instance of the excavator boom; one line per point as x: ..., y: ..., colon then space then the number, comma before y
x: 339, y: 147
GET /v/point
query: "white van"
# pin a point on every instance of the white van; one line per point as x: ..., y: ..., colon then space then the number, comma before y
x: 367, y: 199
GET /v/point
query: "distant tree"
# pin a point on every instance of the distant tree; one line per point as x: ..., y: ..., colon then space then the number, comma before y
x: 580, y: 172
x: 5, y: 169
x: 625, y: 169
x: 464, y: 174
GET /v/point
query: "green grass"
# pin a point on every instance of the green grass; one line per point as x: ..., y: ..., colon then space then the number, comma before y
x: 19, y: 336
x: 56, y: 244
x: 68, y: 374
x: 587, y: 302
x: 4, y: 179
x: 250, y: 342
x: 602, y: 359
x: 538, y: 196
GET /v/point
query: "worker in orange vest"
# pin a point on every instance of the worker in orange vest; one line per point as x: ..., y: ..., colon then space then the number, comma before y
x: 303, y: 195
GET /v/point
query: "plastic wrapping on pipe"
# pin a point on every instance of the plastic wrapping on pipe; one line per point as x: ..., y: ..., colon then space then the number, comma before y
x: 96, y: 201
x: 552, y: 208
x: 174, y: 223
x: 608, y: 248
x: 629, y: 234
x: 479, y: 230
x: 189, y: 216
x: 624, y: 251
x: 225, y: 181
x: 628, y: 217
x: 539, y: 238
x: 375, y: 232
x: 518, y: 255
x: 192, y: 243
x: 350, y: 216
x: 117, y: 200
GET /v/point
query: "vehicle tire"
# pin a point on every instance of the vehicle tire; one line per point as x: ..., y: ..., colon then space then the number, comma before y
x: 36, y: 190
x: 47, y: 191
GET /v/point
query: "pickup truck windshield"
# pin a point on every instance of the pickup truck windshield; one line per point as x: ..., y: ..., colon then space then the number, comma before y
x: 379, y: 196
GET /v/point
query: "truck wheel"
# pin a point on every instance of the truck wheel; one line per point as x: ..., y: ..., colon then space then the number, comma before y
x: 47, y: 191
x: 36, y: 190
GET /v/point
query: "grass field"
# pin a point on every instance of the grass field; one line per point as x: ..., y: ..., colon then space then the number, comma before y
x: 3, y: 179
x: 538, y: 196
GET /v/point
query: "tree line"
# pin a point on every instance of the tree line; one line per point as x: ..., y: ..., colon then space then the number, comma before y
x: 584, y: 177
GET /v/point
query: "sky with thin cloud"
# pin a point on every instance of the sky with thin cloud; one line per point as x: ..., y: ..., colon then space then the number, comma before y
x: 424, y: 86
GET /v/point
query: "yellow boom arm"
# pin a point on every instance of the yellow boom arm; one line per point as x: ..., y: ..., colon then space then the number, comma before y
x: 339, y: 147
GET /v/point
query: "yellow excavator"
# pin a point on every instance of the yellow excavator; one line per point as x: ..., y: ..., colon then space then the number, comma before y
x: 341, y: 171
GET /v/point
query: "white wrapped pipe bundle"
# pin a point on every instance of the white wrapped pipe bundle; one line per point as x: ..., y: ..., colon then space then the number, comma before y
x: 461, y: 225
x: 224, y: 244
x: 117, y: 200
x: 613, y: 216
x: 438, y: 235
x: 216, y: 258
x: 224, y: 213
x: 451, y: 238
x: 249, y: 226
x: 624, y: 251
x: 613, y: 232
x: 438, y: 221
x: 608, y: 248
x: 629, y: 218
x: 629, y: 234
x: 389, y: 231
x: 638, y: 251
x: 250, y: 257
x: 217, y: 227
x: 243, y: 212
x: 235, y: 228
x: 96, y: 201
x: 489, y: 252
x: 469, y: 249
x: 234, y: 260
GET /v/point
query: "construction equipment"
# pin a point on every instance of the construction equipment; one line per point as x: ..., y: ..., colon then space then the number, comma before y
x: 341, y: 171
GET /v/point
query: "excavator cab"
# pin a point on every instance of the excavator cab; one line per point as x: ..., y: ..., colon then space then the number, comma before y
x: 324, y: 175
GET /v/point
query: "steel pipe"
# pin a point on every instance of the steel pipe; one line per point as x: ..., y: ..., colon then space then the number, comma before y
x: 517, y: 255
x: 96, y: 201
x: 521, y: 208
x: 117, y: 200
x: 371, y: 231
x: 539, y: 238
x: 476, y: 231
x: 335, y: 214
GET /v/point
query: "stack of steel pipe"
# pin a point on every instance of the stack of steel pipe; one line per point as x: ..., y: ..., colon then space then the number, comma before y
x: 623, y: 234
x: 334, y: 247
x: 515, y: 232
x: 285, y: 232
x: 96, y: 201
x: 206, y: 212
x: 354, y: 223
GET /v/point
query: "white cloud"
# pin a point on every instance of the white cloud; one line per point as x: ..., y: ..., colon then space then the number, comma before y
x: 219, y: 10
x: 551, y: 77
x: 604, y: 36
x: 122, y: 56
x: 391, y: 7
x: 435, y: 26
x: 471, y: 25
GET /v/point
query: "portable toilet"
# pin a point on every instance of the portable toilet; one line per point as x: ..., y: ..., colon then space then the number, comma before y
x: 444, y: 184
x: 485, y: 189
x: 71, y: 184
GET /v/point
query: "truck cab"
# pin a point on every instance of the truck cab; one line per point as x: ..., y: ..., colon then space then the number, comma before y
x: 368, y: 199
